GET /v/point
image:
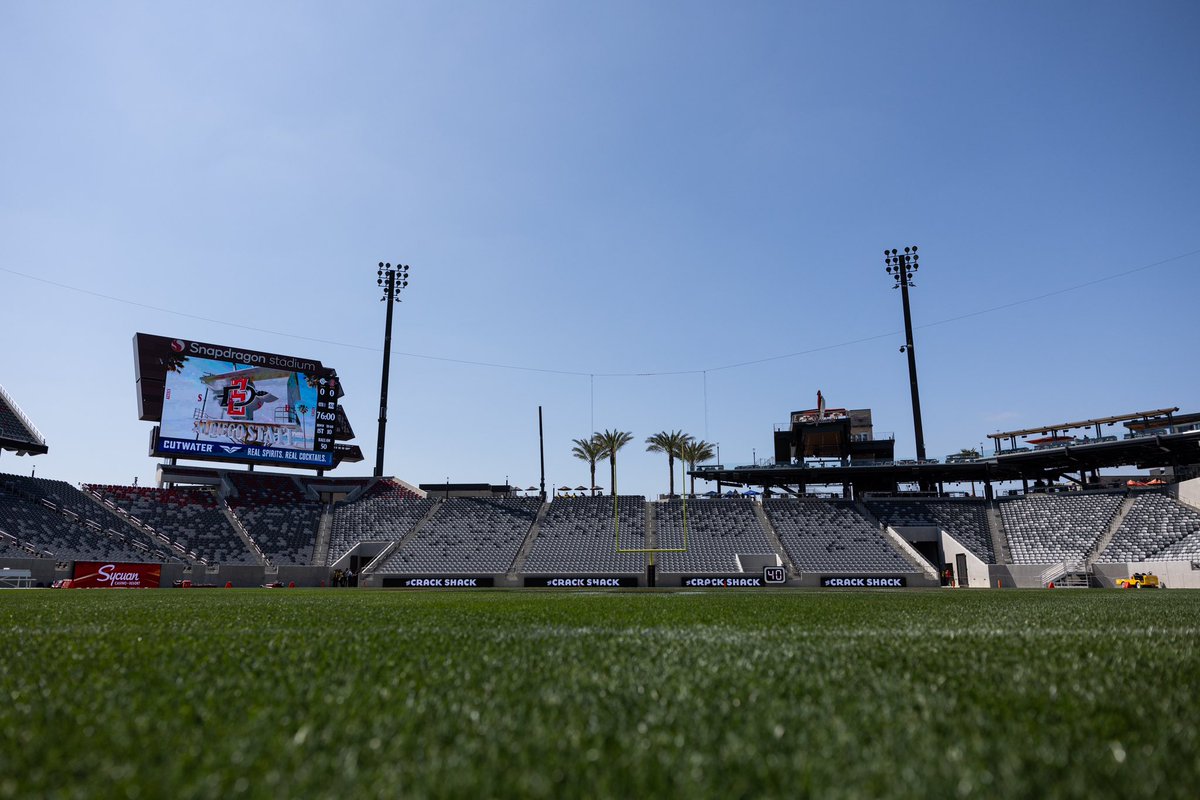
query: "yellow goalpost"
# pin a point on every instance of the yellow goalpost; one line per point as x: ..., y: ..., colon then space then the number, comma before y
x: 651, y: 551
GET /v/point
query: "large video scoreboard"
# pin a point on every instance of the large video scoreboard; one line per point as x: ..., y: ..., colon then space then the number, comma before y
x: 216, y: 402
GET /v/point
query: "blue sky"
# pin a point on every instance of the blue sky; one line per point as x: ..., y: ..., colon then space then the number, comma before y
x: 595, y: 189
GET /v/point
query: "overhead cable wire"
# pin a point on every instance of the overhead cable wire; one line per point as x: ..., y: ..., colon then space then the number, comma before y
x: 592, y: 375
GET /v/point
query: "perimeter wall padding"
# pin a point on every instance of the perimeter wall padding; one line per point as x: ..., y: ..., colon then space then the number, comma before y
x: 1016, y: 576
x: 175, y: 572
x: 41, y: 569
x: 303, y: 576
x: 238, y: 575
x: 1175, y: 574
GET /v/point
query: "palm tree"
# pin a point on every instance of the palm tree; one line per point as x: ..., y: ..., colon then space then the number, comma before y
x: 669, y: 442
x: 591, y: 451
x: 611, y: 442
x: 693, y: 452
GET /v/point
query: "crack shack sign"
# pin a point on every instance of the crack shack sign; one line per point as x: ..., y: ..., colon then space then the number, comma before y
x: 864, y: 581
x: 115, y: 575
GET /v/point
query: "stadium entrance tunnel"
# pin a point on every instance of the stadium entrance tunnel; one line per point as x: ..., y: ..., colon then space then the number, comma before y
x: 948, y: 558
x: 929, y: 549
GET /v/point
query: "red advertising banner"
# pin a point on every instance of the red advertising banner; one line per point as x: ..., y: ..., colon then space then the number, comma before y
x: 115, y: 575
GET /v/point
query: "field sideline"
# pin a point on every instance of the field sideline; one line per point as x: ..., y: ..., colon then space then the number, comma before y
x: 256, y: 693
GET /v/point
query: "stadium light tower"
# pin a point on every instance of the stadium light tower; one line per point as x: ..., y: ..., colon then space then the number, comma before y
x: 391, y: 280
x: 901, y: 267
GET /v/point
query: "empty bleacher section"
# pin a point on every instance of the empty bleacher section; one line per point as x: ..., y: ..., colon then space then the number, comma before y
x: 277, y: 515
x: 832, y: 537
x: 245, y: 519
x: 11, y: 426
x: 41, y: 532
x: 17, y: 431
x: 190, y: 517
x: 57, y: 521
x: 717, y: 530
x: 384, y: 513
x: 1049, y: 528
x: 12, y: 547
x: 467, y: 535
x: 576, y: 536
x: 1186, y: 549
x: 1157, y: 528
x: 965, y: 520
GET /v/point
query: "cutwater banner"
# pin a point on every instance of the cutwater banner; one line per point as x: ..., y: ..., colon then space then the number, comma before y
x: 187, y: 448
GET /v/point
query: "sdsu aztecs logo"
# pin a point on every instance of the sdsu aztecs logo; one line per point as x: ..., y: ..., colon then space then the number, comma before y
x: 177, y: 345
x: 240, y: 397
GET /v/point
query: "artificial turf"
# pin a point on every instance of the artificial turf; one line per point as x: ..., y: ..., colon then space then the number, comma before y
x: 256, y: 693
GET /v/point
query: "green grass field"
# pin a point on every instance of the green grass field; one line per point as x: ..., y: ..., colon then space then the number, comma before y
x: 561, y: 694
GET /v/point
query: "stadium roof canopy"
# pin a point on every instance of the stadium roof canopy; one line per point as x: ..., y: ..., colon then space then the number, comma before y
x: 1161, y: 415
x: 1143, y: 452
x: 17, y: 432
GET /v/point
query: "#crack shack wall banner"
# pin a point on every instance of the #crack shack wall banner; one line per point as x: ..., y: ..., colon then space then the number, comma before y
x: 437, y: 581
x: 864, y: 581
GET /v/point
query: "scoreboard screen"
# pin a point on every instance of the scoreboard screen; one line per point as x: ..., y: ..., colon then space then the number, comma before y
x: 240, y: 405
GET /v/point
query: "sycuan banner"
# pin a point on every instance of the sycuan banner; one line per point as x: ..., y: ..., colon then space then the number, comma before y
x: 115, y: 575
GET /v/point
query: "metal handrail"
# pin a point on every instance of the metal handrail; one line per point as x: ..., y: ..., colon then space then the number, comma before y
x: 1060, y: 569
x: 21, y: 415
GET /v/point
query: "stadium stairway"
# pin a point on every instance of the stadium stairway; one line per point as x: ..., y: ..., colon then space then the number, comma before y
x: 324, y: 534
x: 910, y: 554
x: 861, y: 509
x: 777, y: 544
x: 242, y: 533
x: 906, y: 550
x: 651, y: 527
x: 1106, y: 538
x: 1068, y: 575
x: 999, y: 538
x: 522, y: 555
x: 387, y: 552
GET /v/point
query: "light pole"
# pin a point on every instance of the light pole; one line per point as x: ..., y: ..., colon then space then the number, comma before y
x: 391, y: 280
x: 720, y: 466
x: 901, y: 267
x: 542, y: 454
